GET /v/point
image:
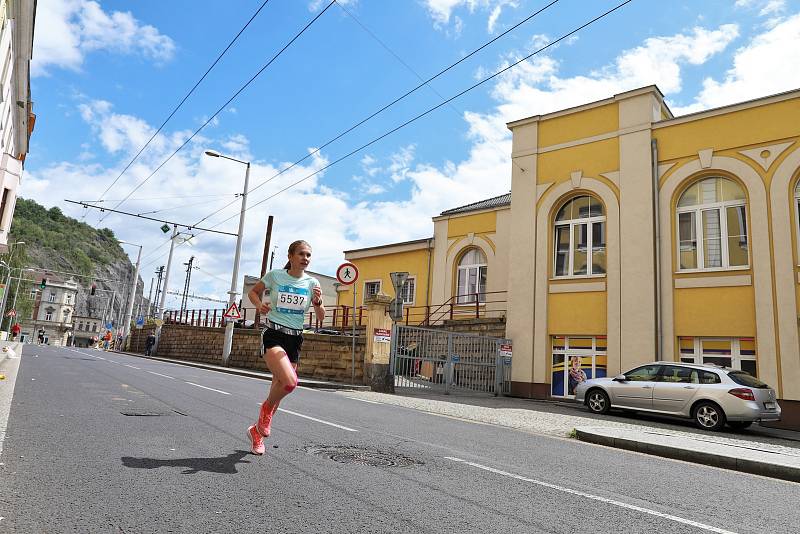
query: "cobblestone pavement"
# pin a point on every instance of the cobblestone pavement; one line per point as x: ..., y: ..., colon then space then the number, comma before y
x: 560, y: 418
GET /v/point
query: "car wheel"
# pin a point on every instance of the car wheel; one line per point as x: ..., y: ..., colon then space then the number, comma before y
x: 708, y: 416
x: 598, y: 402
x: 739, y: 425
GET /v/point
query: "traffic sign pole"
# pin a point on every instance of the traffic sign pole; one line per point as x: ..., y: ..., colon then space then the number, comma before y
x: 347, y: 274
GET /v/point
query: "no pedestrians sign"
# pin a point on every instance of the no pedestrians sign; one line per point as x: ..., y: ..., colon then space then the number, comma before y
x: 347, y: 273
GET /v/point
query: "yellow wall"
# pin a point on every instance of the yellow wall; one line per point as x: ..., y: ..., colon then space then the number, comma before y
x: 577, y: 313
x: 379, y: 267
x: 475, y: 224
x: 591, y: 158
x: 588, y: 123
x: 752, y: 126
x: 715, y: 311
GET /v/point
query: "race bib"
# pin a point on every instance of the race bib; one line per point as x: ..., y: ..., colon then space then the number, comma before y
x: 292, y: 299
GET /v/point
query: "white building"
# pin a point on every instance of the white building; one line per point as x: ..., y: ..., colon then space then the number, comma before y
x: 16, y: 109
x: 52, y: 311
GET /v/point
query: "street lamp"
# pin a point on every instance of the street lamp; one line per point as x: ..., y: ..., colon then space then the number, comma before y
x: 226, y: 347
x: 132, y: 297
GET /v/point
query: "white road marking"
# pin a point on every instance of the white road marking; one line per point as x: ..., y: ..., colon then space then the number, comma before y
x: 132, y: 366
x: 613, y: 502
x: 159, y: 374
x: 363, y: 400
x: 205, y: 387
x: 317, y: 420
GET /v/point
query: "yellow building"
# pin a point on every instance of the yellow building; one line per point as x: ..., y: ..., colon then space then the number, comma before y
x: 632, y: 236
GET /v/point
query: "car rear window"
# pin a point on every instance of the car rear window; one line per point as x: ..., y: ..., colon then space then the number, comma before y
x: 745, y: 379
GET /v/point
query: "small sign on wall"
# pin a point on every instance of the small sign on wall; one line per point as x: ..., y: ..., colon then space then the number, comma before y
x: 505, y: 352
x: 383, y: 335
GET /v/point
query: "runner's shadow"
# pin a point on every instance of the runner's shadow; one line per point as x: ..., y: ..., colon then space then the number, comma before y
x: 225, y: 465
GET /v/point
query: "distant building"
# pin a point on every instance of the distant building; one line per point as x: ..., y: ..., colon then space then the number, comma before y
x: 16, y: 109
x: 53, y: 310
x: 85, y: 328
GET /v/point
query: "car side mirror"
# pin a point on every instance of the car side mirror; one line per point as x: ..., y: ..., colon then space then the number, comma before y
x: 620, y: 378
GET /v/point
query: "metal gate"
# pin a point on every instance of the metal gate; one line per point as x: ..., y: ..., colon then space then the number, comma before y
x: 444, y: 361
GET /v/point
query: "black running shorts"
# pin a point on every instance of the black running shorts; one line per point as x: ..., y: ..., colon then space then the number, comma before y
x: 291, y: 344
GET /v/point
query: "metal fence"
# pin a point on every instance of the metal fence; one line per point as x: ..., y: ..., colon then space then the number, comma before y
x: 439, y: 360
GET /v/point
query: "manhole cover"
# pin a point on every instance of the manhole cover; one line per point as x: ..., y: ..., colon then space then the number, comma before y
x: 359, y: 455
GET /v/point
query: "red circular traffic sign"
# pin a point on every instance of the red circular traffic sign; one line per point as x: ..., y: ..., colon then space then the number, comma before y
x: 347, y: 273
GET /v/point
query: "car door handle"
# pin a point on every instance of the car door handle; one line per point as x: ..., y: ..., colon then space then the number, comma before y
x: 689, y: 387
x: 647, y: 387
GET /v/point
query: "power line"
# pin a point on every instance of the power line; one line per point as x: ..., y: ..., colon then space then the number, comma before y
x: 160, y: 198
x: 242, y: 88
x: 181, y: 206
x: 187, y: 226
x: 185, y: 98
x: 415, y: 73
x: 430, y: 110
x: 390, y: 104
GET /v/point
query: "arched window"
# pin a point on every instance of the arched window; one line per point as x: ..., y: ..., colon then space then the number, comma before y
x: 471, y: 277
x: 712, y: 226
x: 580, y: 238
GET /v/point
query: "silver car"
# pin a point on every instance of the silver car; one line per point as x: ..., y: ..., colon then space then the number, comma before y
x: 708, y: 394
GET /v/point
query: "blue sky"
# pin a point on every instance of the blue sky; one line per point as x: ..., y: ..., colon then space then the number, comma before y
x: 106, y: 74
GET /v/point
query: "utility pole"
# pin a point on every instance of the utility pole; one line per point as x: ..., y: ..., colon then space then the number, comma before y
x: 272, y: 256
x: 186, y: 284
x: 264, y: 262
x: 149, y: 299
x: 160, y: 273
x: 132, y: 296
x: 169, y: 265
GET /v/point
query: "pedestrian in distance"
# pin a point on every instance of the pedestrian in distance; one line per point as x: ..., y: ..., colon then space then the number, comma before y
x: 290, y: 294
x: 15, y: 330
x: 149, y: 344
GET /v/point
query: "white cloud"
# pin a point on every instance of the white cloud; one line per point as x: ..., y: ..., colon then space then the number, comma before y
x: 316, y: 5
x: 441, y: 11
x: 765, y: 7
x: 66, y: 30
x: 768, y: 64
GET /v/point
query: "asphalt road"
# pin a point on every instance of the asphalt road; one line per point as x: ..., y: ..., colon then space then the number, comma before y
x: 103, y: 442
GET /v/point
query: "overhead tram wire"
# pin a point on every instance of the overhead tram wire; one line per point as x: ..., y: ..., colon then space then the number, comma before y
x: 160, y: 198
x: 181, y: 206
x: 173, y: 223
x: 430, y: 110
x: 242, y: 88
x: 390, y: 104
x: 219, y: 57
x: 415, y: 73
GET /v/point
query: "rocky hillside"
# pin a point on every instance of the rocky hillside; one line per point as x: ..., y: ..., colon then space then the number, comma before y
x: 62, y: 244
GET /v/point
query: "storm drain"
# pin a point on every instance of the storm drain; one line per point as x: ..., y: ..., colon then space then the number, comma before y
x: 362, y: 456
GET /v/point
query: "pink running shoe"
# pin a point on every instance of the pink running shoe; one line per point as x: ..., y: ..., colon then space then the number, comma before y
x: 265, y: 419
x: 256, y: 442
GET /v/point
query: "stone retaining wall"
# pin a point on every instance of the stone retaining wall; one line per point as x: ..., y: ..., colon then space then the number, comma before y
x: 322, y: 357
x: 489, y: 326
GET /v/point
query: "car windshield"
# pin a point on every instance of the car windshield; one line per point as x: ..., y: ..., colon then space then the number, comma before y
x: 745, y: 379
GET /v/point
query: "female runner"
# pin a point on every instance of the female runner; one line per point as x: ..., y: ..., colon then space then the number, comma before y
x: 291, y: 293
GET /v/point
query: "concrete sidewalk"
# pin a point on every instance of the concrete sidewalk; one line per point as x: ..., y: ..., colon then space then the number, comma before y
x: 303, y: 382
x: 758, y: 450
x: 759, y: 459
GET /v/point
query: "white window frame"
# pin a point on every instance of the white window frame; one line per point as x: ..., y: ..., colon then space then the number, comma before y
x: 736, y: 352
x: 580, y: 352
x: 413, y: 300
x: 48, y: 316
x: 52, y: 297
x: 572, y: 223
x: 721, y: 208
x: 365, y: 293
x: 467, y: 298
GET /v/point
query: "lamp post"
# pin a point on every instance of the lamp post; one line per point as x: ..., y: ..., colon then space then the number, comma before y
x: 228, y: 343
x: 132, y: 297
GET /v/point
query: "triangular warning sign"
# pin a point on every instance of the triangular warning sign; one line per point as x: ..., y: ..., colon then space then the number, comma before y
x: 232, y: 312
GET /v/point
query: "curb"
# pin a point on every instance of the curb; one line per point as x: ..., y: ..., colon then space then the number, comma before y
x: 313, y: 384
x: 732, y: 463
